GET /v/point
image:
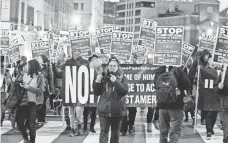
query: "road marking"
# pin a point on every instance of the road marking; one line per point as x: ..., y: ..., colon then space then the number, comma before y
x: 49, y: 132
x: 6, y: 127
x: 217, y: 138
x: 153, y: 137
x: 94, y: 137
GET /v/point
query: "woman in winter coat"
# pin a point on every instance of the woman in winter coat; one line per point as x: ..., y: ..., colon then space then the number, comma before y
x: 31, y: 94
x: 46, y: 70
x: 112, y: 88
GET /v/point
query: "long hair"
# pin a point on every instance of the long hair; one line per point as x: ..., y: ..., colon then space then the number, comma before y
x: 34, y: 67
x: 45, y: 59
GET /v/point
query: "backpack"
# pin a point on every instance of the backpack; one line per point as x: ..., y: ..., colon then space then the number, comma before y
x: 166, y: 86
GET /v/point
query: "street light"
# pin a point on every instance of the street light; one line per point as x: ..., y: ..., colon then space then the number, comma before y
x: 76, y: 19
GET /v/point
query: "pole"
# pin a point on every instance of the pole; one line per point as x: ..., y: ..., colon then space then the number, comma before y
x: 224, y: 73
x: 63, y: 114
x: 197, y: 96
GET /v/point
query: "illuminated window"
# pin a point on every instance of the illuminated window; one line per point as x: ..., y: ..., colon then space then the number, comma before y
x: 75, y: 6
x: 209, y: 9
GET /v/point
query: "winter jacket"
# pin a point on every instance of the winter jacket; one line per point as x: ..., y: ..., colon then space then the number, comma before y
x: 49, y: 77
x: 193, y: 69
x: 112, y: 102
x: 223, y: 93
x: 182, y: 82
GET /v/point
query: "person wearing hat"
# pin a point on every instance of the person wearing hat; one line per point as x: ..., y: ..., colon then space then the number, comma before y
x: 92, y: 109
x: 112, y: 88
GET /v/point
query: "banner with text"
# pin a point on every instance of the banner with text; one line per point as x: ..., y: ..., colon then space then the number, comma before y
x: 186, y: 52
x: 220, y: 54
x: 14, y: 53
x: 81, y: 41
x: 121, y: 44
x: 40, y: 48
x: 78, y: 85
x: 168, y: 46
x: 147, y: 30
x: 104, y: 38
x: 139, y: 51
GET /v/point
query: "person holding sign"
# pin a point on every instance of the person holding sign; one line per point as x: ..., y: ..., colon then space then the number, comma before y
x: 221, y: 87
x: 203, y: 61
x: 112, y: 88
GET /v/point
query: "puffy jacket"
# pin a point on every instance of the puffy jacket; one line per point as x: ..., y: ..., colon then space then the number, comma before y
x: 112, y: 101
x: 223, y: 93
x: 183, y: 84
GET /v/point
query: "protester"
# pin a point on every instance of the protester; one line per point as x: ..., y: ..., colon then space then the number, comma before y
x: 31, y: 94
x: 170, y: 101
x: 186, y: 70
x: 88, y: 109
x: 222, y: 90
x: 46, y: 70
x: 152, y: 116
x: 203, y: 61
x: 76, y: 127
x: 111, y: 107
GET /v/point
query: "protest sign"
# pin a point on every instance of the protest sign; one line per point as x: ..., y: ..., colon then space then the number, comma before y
x: 168, y: 46
x: 207, y: 41
x: 4, y: 39
x: 40, y: 48
x: 139, y: 51
x: 186, y: 52
x: 220, y: 53
x: 14, y: 53
x: 81, y: 41
x: 208, y: 98
x: 78, y: 85
x: 147, y: 30
x: 121, y: 44
x: 104, y: 38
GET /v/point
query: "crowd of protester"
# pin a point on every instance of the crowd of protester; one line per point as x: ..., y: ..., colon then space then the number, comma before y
x: 25, y: 92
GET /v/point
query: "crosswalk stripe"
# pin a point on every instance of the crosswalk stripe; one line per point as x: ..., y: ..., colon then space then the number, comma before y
x: 152, y: 137
x: 49, y: 132
x: 6, y: 127
x: 217, y: 138
x: 94, y: 137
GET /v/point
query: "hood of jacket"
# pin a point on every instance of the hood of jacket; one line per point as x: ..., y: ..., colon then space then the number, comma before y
x: 202, y: 54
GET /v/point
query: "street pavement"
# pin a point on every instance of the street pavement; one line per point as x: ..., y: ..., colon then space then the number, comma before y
x: 54, y: 132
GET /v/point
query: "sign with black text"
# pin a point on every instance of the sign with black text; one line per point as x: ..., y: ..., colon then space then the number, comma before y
x: 168, y: 46
x: 40, y: 48
x: 220, y: 54
x: 207, y: 41
x: 186, y: 52
x: 147, y: 30
x: 121, y: 44
x: 104, y: 38
x: 14, y: 53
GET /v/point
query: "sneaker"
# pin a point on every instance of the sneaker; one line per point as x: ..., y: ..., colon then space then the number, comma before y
x: 131, y: 129
x: 156, y: 125
x: 186, y: 120
x: 72, y: 133
x: 209, y: 136
x: 123, y: 133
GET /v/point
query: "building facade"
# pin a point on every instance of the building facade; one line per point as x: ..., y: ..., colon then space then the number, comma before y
x: 88, y: 14
x: 41, y: 14
x: 110, y: 8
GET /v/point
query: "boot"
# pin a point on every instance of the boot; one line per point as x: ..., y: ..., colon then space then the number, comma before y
x: 131, y: 129
x: 85, y: 125
x: 156, y: 126
x: 149, y: 129
x: 92, y: 129
x: 79, y: 130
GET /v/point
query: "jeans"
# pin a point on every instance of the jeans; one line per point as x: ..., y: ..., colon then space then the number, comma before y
x: 66, y: 115
x: 173, y: 117
x: 76, y: 113
x: 131, y: 119
x: 41, y: 111
x: 191, y: 112
x: 27, y: 113
x: 224, y: 118
x: 93, y: 116
x: 152, y: 113
x: 210, y: 118
x: 203, y: 114
x: 105, y: 123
